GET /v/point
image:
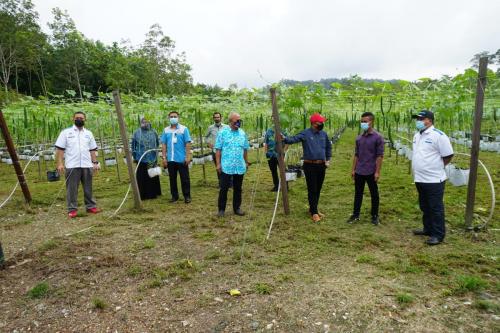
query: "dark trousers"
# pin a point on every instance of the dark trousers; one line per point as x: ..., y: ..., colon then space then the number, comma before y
x: 430, y: 198
x: 75, y: 176
x: 273, y: 166
x: 359, y: 188
x: 225, y: 182
x: 173, y: 168
x: 315, y: 175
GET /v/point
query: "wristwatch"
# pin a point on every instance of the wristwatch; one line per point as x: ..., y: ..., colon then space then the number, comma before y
x: 95, y: 162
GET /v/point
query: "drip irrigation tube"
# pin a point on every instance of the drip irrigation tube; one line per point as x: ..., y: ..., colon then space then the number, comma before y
x: 17, y: 184
x: 130, y: 186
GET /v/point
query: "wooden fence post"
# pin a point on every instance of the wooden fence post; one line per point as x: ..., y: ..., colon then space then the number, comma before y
x: 476, y: 137
x: 128, y: 156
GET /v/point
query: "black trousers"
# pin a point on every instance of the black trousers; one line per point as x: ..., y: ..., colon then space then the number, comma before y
x: 359, y: 188
x: 273, y: 166
x: 315, y: 175
x: 218, y: 174
x: 149, y: 188
x: 173, y: 168
x: 430, y: 198
x: 225, y: 182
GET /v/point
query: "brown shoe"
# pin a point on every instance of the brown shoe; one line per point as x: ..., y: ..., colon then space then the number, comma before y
x: 316, y: 218
x: 319, y: 213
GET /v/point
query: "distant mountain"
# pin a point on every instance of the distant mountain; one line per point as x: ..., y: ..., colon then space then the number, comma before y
x: 326, y: 82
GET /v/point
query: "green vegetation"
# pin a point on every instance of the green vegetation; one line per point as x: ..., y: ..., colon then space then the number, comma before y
x: 39, y: 291
x: 405, y: 298
x: 98, y: 303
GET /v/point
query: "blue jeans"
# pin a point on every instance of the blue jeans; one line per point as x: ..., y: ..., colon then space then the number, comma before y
x: 430, y: 198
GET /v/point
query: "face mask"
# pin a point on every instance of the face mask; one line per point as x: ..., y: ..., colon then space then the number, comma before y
x: 237, y: 124
x: 79, y: 122
x: 320, y: 126
x: 364, y: 126
x: 145, y: 126
x: 174, y: 121
x: 420, y: 125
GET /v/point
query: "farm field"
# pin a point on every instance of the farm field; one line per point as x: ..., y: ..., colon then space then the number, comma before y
x: 170, y: 267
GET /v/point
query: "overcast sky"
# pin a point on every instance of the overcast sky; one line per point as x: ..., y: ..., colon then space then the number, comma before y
x: 231, y: 41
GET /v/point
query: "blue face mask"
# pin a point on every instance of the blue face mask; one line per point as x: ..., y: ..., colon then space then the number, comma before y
x: 364, y: 126
x: 237, y: 123
x: 420, y: 125
x: 174, y: 121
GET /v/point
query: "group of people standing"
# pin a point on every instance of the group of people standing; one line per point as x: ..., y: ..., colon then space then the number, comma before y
x: 432, y: 151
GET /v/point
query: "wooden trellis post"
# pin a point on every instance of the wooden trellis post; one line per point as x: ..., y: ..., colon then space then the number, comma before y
x: 128, y: 155
x: 476, y: 136
x: 279, y: 149
x: 15, y: 161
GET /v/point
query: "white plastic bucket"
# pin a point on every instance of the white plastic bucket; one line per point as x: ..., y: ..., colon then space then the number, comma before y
x: 290, y: 176
x: 110, y: 162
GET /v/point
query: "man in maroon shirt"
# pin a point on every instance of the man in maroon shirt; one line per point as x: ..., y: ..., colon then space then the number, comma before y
x: 366, y: 166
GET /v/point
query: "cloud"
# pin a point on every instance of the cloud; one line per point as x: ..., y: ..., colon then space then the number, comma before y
x: 231, y: 41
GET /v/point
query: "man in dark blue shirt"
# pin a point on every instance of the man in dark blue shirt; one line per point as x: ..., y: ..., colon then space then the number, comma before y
x: 317, y: 152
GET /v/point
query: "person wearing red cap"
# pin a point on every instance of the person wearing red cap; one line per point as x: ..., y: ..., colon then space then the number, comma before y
x: 317, y: 152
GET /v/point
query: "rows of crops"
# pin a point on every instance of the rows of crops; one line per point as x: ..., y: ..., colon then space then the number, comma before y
x: 35, y: 124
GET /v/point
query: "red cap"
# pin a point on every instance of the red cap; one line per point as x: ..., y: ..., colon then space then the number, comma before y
x: 317, y: 118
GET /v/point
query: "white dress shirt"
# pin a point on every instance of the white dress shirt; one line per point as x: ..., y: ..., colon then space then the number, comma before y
x: 77, y: 145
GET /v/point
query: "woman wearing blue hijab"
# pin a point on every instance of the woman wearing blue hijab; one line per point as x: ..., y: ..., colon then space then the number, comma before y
x: 144, y: 139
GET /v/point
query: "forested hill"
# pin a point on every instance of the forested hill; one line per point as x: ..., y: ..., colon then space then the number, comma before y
x: 66, y: 62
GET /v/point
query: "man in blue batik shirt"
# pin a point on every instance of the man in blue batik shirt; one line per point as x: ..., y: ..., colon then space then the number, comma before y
x: 232, y: 161
x: 176, y: 156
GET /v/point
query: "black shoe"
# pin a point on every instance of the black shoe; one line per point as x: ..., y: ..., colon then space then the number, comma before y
x: 239, y: 212
x: 419, y: 232
x: 173, y: 200
x: 274, y: 189
x: 353, y: 218
x: 187, y: 200
x: 220, y: 213
x: 434, y: 241
x: 375, y: 220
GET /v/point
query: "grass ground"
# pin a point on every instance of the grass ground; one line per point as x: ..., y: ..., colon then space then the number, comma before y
x: 170, y: 267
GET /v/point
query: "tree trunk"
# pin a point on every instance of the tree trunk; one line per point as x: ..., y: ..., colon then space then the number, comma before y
x: 78, y: 82
x: 41, y: 77
x: 17, y: 86
x: 29, y: 82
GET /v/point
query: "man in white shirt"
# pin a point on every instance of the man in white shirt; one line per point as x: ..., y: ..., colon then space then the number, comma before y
x: 432, y: 151
x: 78, y: 147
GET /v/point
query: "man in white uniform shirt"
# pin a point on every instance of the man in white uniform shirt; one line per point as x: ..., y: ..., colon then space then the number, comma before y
x: 432, y: 151
x: 78, y: 147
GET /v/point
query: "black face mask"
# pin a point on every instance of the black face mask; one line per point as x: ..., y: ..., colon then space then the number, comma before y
x: 320, y: 126
x: 79, y: 122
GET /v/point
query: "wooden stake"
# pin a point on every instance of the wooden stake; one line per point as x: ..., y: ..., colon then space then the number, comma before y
x: 114, y: 145
x: 15, y: 161
x: 2, y: 258
x: 128, y: 156
x: 476, y: 136
x: 279, y: 149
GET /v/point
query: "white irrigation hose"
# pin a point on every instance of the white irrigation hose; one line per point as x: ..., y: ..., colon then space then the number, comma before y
x: 17, y: 184
x: 130, y: 185
x: 275, y: 204
x: 492, y: 186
